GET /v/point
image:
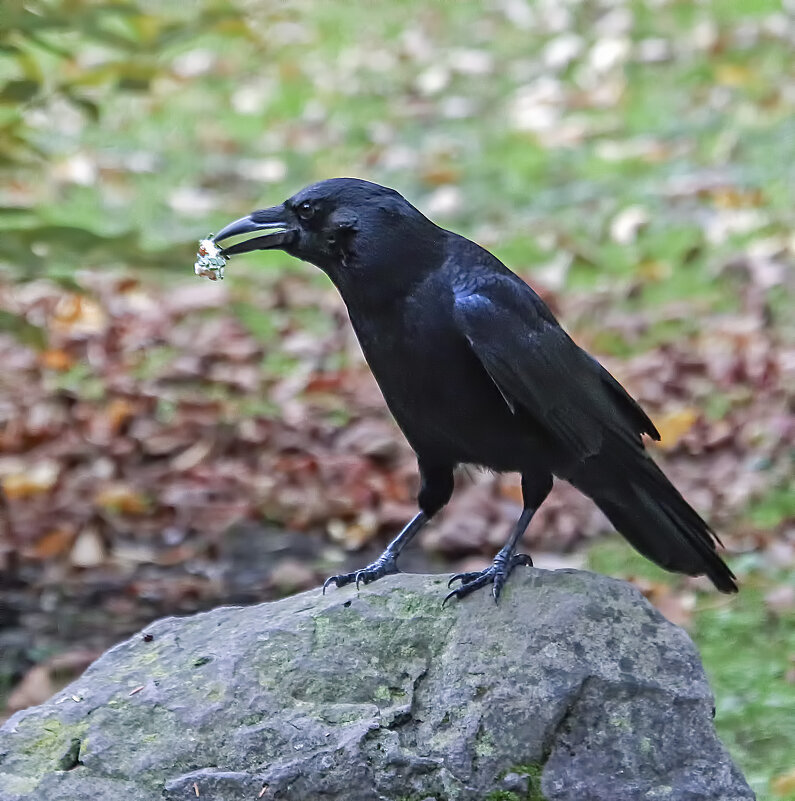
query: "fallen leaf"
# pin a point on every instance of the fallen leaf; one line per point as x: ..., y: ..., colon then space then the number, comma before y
x: 674, y: 425
x: 627, y: 223
x: 784, y: 784
x: 735, y: 197
x: 57, y: 359
x: 134, y: 553
x: 652, y: 270
x: 675, y: 606
x: 440, y: 173
x: 191, y: 457
x: 734, y: 75
x: 354, y: 535
x: 34, y: 688
x: 45, y: 679
x: 117, y: 413
x: 78, y: 315
x: 88, y: 550
x: 290, y: 575
x: 122, y: 498
x: 40, y: 478
x: 54, y: 543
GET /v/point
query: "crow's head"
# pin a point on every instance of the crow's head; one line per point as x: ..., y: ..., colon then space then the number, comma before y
x: 337, y: 224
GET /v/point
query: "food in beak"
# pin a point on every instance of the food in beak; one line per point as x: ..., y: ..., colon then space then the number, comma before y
x: 209, y: 260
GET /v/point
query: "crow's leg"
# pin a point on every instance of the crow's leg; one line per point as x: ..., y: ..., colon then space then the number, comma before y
x: 534, y: 491
x: 387, y: 562
x: 435, y: 491
x: 499, y: 570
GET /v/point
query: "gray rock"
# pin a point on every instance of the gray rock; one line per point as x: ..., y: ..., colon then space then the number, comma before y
x: 573, y: 688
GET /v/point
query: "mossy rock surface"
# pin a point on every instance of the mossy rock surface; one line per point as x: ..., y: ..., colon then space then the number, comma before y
x: 383, y: 694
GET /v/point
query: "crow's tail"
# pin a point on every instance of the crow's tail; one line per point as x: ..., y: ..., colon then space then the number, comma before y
x: 660, y: 524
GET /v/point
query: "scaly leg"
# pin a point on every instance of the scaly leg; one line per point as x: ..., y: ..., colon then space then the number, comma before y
x: 387, y: 562
x: 534, y: 491
x: 435, y: 492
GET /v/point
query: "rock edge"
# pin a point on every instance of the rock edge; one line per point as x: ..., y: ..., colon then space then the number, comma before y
x: 573, y: 689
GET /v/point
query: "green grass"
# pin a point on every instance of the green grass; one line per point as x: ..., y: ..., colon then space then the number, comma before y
x: 747, y: 650
x: 774, y: 507
x: 197, y: 134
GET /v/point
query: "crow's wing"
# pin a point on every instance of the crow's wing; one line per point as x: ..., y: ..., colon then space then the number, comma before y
x: 538, y: 368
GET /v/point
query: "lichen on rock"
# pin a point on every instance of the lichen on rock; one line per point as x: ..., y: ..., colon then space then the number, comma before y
x: 573, y: 688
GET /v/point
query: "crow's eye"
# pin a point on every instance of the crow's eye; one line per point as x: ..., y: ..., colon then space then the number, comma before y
x: 306, y: 210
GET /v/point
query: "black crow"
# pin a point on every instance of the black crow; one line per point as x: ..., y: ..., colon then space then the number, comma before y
x: 476, y: 370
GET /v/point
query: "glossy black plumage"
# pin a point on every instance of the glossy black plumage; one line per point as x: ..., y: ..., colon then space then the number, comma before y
x: 476, y: 370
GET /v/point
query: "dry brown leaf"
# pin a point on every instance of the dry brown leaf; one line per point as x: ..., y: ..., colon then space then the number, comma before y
x: 377, y: 439
x: 653, y: 270
x: 57, y: 359
x: 735, y: 197
x: 117, y: 413
x: 42, y: 681
x: 78, y: 315
x: 54, y: 543
x: 784, y: 784
x: 674, y: 425
x: 354, y: 535
x: 512, y: 490
x: 734, y: 75
x: 176, y: 555
x: 676, y: 606
x: 290, y: 575
x: 122, y: 498
x: 441, y: 173
x: 40, y: 478
x: 34, y: 688
x: 192, y: 457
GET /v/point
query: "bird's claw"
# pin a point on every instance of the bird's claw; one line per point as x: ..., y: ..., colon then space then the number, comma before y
x: 465, y: 578
x: 385, y: 565
x: 496, y: 574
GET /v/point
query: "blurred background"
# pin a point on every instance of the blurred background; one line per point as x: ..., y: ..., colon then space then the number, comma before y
x: 168, y: 444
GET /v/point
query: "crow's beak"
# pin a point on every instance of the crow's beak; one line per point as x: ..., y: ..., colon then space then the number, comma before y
x: 276, y: 219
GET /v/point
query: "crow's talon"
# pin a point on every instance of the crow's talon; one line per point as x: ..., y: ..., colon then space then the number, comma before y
x: 361, y: 576
x: 465, y: 578
x: 383, y: 566
x: 339, y: 581
x: 496, y: 575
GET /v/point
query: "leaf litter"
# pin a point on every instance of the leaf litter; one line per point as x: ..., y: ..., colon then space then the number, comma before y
x: 166, y: 448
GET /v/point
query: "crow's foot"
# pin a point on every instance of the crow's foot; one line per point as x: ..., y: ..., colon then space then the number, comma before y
x: 496, y: 575
x: 383, y: 566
